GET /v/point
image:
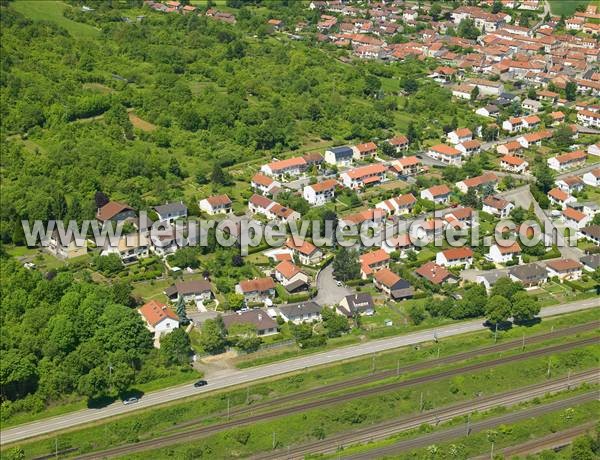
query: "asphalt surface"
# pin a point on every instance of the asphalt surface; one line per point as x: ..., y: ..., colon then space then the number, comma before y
x: 244, y: 376
x: 328, y: 292
x: 322, y: 401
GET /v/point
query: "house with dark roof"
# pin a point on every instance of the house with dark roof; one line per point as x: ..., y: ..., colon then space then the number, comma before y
x: 530, y: 275
x: 191, y: 291
x: 360, y: 303
x: 170, y: 212
x: 591, y: 233
x: 258, y: 318
x: 590, y: 262
x: 339, y: 156
x: 301, y: 312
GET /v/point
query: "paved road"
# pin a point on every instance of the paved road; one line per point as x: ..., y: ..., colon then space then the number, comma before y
x: 329, y: 293
x: 579, y: 171
x: 245, y: 376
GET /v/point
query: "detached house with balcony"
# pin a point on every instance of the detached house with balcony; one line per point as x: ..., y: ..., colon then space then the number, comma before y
x: 406, y: 167
x: 159, y: 319
x: 400, y: 143
x: 264, y: 184
x: 478, y: 183
x: 364, y: 151
x: 339, y: 156
x: 373, y: 261
x: 560, y: 197
x: 460, y: 135
x: 359, y: 178
x: 256, y: 290
x: 290, y: 167
x: 306, y: 252
x: 497, y: 206
x: 564, y: 269
x: 321, y: 192
x: 505, y: 254
x: 392, y: 285
x: 170, y: 212
x: 514, y: 165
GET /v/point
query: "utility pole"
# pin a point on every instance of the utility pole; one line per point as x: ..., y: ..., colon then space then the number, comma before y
x: 496, y: 334
x: 548, y: 373
x: 523, y: 344
x: 373, y: 364
x: 398, y: 368
x: 110, y: 368
x: 56, y: 447
x: 438, y: 353
x: 492, y: 452
x: 273, y: 440
x: 569, y: 379
x: 247, y: 395
x: 228, y: 412
x: 468, y: 424
x: 421, y: 403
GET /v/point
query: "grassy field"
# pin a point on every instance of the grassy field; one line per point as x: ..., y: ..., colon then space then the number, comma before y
x: 568, y: 7
x: 52, y: 10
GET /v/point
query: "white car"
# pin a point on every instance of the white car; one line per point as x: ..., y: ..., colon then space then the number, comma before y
x: 339, y: 283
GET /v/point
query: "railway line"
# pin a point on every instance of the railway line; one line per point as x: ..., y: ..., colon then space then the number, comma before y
x: 203, y: 431
x: 434, y: 417
x: 422, y: 365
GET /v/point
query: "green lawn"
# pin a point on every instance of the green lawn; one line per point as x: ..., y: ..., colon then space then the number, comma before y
x: 52, y: 10
x: 567, y: 7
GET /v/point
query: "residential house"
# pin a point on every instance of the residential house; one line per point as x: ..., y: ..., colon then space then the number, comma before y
x: 406, y: 167
x: 566, y: 161
x: 468, y: 148
x: 589, y: 118
x: 360, y: 303
x: 191, y: 291
x: 392, y: 285
x: 399, y: 205
x: 373, y: 261
x: 571, y: 184
x: 363, y: 176
x: 591, y: 233
x: 513, y: 125
x: 75, y: 247
x: 564, y: 269
x: 534, y: 139
x: 514, y: 165
x: 271, y: 209
x: 364, y: 151
x: 439, y: 194
x: 435, y: 273
x: 321, y: 192
x: 455, y: 257
x: 500, y: 254
x: 512, y: 148
x: 574, y: 218
x: 400, y: 143
x: 301, y: 313
x: 114, y: 211
x: 487, y: 87
x: 264, y: 184
x: 290, y: 167
x: 497, y: 206
x: 400, y: 243
x: 170, y: 212
x: 590, y: 262
x: 530, y: 275
x: 464, y: 216
x: 306, y: 252
x: 130, y: 248
x: 256, y: 290
x: 261, y: 321
x: 490, y: 277
x: 560, y: 198
x: 374, y: 215
x: 445, y: 154
x: 159, y: 318
x: 531, y: 105
x: 339, y: 156
x: 592, y: 178
x: 488, y: 111
x: 460, y: 135
x: 557, y: 118
x: 478, y: 182
x: 594, y: 149
x: 217, y: 204
x: 287, y: 273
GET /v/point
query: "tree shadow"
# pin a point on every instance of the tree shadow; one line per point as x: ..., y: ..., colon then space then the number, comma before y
x: 100, y: 402
x: 502, y: 326
x: 529, y: 322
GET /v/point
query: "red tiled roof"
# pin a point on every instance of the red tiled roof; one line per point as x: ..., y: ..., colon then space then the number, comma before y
x: 398, y: 140
x: 572, y: 156
x: 562, y: 265
x: 154, y: 312
x: 445, y: 150
x: 574, y: 214
x: 257, y: 285
x: 261, y: 179
x: 367, y: 147
x: 304, y: 247
x: 513, y: 248
x: 111, y: 209
x: 463, y: 132
x: 457, y: 253
x: 408, y: 161
x: 480, y: 180
x: 433, y: 272
x: 438, y: 190
x: 495, y: 202
x: 558, y: 194
x: 374, y: 257
x: 218, y: 200
x: 386, y: 277
x: 368, y: 170
x: 287, y: 269
x: 513, y: 161
x: 325, y: 185
x: 284, y: 164
x: 260, y: 201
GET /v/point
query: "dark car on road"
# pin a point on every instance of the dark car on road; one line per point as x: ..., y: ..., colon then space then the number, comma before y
x: 200, y: 383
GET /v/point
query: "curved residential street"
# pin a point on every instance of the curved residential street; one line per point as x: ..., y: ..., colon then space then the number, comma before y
x: 241, y: 377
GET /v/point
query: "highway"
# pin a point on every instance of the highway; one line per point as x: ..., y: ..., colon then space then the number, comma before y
x: 245, y: 376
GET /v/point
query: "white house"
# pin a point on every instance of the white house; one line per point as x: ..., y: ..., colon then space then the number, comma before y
x: 468, y: 148
x: 358, y: 178
x: 407, y: 166
x: 513, y: 164
x: 594, y: 149
x: 287, y: 273
x: 292, y: 167
x: 592, y: 177
x: 566, y: 161
x: 574, y: 218
x: 455, y: 257
x: 256, y: 290
x: 400, y: 143
x: 263, y: 183
x: 497, y: 206
x: 564, y: 269
x: 478, y: 182
x: 504, y: 254
x: 306, y: 252
x: 399, y: 205
x: 217, y: 204
x: 301, y: 313
x: 460, y: 135
x: 364, y: 151
x: 560, y: 197
x: 171, y: 211
x: 571, y: 184
x: 445, y: 154
x: 159, y: 319
x: 439, y: 194
x: 339, y: 156
x: 321, y: 192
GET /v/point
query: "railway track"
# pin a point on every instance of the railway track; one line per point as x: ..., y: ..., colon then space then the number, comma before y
x: 200, y: 432
x: 386, y: 429
x: 374, y: 377
x: 552, y: 441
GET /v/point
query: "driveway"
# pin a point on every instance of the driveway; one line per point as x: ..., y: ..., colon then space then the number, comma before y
x: 329, y: 292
